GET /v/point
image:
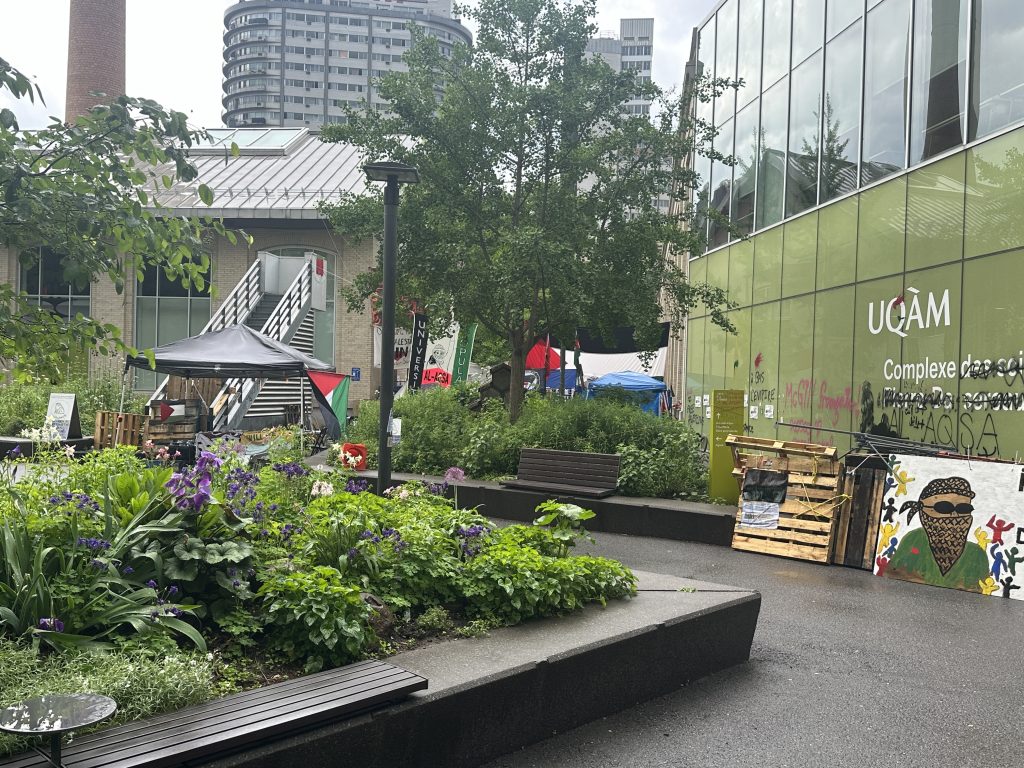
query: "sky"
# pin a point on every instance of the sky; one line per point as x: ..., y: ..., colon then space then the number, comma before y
x: 174, y: 52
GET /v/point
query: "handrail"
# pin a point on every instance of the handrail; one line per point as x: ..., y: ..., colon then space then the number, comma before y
x: 235, y: 308
x: 280, y: 326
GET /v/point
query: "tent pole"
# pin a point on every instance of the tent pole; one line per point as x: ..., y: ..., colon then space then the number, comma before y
x: 302, y: 415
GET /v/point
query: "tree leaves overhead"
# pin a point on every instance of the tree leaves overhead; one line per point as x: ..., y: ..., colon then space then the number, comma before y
x: 537, y: 208
x: 91, y: 192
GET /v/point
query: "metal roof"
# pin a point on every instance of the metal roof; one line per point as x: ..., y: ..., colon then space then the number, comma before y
x: 279, y: 173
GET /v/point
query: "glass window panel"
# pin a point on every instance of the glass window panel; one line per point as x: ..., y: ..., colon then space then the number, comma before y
x: 745, y: 170
x: 885, y: 90
x: 30, y: 271
x: 763, y: 369
x: 771, y: 172
x: 881, y: 231
x: 718, y: 269
x: 714, y: 361
x: 993, y: 327
x: 939, y: 78
x: 935, y: 213
x: 837, y: 243
x: 833, y: 404
x: 706, y: 57
x: 795, y: 367
x: 997, y: 85
x: 725, y: 60
x: 842, y: 114
x: 145, y: 337
x: 804, y: 131
x: 698, y: 270
x: 199, y: 315
x: 841, y: 14
x: 776, y: 33
x: 323, y: 334
x: 78, y: 305
x: 741, y: 272
x: 173, y: 323
x: 737, y: 350
x: 702, y: 166
x: 932, y: 341
x: 800, y: 246
x: 995, y: 196
x: 168, y: 287
x: 808, y: 28
x: 721, y: 186
x: 768, y: 265
x: 873, y: 346
x: 749, y: 64
x: 695, y: 354
x: 147, y: 287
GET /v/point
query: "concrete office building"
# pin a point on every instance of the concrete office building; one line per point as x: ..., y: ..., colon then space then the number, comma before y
x: 879, y: 174
x: 301, y: 62
x: 633, y: 49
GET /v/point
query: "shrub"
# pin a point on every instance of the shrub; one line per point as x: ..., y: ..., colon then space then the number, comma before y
x: 142, y: 685
x: 23, y: 405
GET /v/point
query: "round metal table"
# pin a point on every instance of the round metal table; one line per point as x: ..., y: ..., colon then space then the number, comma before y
x: 54, y: 715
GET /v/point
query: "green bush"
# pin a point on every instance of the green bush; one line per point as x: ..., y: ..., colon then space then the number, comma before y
x: 142, y: 685
x: 23, y: 405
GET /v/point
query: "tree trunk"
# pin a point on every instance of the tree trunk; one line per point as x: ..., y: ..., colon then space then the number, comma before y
x: 516, y: 393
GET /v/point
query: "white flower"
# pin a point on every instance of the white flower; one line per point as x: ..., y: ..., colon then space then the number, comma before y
x: 322, y: 488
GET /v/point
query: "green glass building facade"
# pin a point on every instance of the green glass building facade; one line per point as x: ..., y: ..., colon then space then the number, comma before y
x: 879, y: 182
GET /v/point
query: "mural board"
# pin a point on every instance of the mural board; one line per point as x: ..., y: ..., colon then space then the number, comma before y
x: 953, y: 523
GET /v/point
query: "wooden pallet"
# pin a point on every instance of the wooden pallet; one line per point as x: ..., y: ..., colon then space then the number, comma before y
x: 807, y: 519
x: 118, y: 429
x: 859, y: 518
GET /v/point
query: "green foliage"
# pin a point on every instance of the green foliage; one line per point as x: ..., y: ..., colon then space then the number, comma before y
x: 436, y: 619
x: 660, y: 457
x: 23, y: 405
x: 141, y: 684
x: 316, y: 619
x: 565, y: 522
x: 88, y: 191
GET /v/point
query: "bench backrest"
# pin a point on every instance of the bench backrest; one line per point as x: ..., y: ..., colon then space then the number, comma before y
x: 595, y: 470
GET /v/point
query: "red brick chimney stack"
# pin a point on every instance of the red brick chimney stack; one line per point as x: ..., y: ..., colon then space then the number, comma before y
x: 96, y: 54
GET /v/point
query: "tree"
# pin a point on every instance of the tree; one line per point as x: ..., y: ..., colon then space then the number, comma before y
x: 89, y: 191
x: 536, y: 209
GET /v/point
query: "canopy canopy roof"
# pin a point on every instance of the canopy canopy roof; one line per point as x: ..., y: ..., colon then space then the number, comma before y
x: 233, y: 351
x: 630, y: 380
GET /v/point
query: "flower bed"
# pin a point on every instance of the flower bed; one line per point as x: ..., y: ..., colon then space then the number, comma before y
x: 262, y: 574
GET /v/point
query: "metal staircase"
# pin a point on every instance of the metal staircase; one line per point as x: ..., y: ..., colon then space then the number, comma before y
x: 281, y: 316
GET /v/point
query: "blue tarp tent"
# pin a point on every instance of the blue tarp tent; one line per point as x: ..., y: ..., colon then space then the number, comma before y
x: 652, y: 393
x: 555, y: 377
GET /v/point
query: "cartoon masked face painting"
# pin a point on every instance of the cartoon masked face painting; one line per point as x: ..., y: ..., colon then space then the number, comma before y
x: 946, y: 511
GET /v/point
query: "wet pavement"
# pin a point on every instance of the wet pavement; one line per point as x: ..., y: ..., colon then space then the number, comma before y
x: 847, y: 669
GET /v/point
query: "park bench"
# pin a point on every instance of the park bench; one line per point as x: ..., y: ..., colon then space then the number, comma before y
x: 571, y: 472
x: 237, y: 722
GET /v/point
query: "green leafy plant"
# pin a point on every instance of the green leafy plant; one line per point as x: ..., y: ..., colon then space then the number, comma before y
x: 565, y: 521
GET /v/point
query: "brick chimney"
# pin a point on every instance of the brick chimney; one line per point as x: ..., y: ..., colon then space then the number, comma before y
x: 96, y: 54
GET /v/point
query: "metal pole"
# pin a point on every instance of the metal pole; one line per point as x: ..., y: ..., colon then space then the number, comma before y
x: 387, y: 344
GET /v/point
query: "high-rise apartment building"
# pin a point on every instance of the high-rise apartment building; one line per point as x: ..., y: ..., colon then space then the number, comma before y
x: 633, y: 49
x: 301, y: 62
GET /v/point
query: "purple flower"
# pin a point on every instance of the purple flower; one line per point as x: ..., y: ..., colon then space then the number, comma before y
x: 291, y: 470
x: 151, y: 584
x: 366, y: 535
x: 172, y: 590
x: 353, y: 553
x: 128, y: 570
x: 99, y: 565
x: 357, y: 485
x: 454, y: 475
x: 236, y: 583
x: 51, y: 624
x: 14, y: 453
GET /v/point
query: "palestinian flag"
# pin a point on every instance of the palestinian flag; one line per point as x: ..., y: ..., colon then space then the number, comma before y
x: 331, y: 393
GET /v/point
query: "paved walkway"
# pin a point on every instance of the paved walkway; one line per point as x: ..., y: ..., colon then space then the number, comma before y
x: 846, y: 670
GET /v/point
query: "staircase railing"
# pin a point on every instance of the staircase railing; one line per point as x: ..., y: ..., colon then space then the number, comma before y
x: 235, y: 309
x: 237, y: 394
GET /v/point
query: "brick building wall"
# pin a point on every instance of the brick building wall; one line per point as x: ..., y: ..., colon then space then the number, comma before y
x: 96, y: 54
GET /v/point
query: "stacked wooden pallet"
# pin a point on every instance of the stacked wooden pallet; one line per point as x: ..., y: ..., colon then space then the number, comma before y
x: 118, y: 429
x: 807, y: 518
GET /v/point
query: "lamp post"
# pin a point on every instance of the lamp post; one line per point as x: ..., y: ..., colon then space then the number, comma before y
x: 393, y: 174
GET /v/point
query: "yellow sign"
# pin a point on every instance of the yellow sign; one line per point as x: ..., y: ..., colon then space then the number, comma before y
x: 727, y: 418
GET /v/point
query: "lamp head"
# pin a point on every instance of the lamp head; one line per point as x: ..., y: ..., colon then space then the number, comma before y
x: 383, y: 171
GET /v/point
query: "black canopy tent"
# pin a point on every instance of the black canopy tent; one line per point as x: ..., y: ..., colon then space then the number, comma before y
x: 234, y: 351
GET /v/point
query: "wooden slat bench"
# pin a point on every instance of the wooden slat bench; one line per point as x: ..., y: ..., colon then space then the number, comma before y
x: 579, y: 474
x: 239, y: 721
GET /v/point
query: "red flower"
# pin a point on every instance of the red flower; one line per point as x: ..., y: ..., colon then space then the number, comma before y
x: 915, y: 551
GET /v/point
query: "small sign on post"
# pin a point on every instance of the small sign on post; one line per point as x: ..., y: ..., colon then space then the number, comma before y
x: 727, y: 418
x: 62, y: 414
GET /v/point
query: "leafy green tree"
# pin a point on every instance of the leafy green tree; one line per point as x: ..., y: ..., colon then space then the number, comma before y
x: 90, y: 191
x: 536, y: 209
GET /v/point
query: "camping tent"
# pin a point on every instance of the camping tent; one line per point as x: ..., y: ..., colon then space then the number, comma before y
x: 236, y: 350
x: 651, y: 393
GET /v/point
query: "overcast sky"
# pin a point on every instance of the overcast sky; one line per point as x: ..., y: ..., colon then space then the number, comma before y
x: 175, y: 48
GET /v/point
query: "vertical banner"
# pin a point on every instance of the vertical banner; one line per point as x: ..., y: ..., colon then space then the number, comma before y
x: 463, y: 354
x: 418, y: 353
x: 441, y: 361
x: 727, y: 418
x: 319, y: 286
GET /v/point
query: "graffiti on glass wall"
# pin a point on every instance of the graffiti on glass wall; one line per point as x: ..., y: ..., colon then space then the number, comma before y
x: 953, y: 523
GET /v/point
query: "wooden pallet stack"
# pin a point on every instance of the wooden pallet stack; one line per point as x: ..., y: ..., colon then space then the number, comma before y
x: 807, y: 518
x: 183, y: 427
x: 118, y: 429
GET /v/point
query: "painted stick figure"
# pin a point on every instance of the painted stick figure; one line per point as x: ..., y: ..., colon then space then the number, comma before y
x: 1012, y: 559
x: 891, y: 550
x: 903, y: 478
x: 998, y: 527
x: 882, y: 564
x: 998, y: 560
x: 890, y: 510
x: 889, y: 532
x: 988, y: 586
x: 982, y: 536
x: 1008, y: 586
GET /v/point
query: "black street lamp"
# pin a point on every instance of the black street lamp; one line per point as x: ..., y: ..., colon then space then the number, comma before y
x: 393, y: 174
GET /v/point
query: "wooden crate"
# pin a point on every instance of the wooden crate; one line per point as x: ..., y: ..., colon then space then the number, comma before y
x: 807, y: 518
x: 183, y: 428
x: 118, y: 429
